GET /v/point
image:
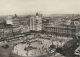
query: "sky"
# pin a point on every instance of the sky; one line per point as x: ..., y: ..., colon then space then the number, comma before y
x: 42, y: 6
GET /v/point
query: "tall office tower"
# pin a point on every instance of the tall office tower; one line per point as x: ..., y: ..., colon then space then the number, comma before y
x: 32, y: 23
x: 38, y: 21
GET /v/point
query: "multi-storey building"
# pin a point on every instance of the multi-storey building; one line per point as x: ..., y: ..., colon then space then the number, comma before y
x: 36, y: 23
x: 61, y: 30
x: 32, y: 23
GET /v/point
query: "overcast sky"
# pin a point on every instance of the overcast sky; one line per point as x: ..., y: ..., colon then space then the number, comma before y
x: 44, y: 6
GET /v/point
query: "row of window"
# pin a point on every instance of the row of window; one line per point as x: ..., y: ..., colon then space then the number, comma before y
x: 60, y: 34
x: 61, y: 30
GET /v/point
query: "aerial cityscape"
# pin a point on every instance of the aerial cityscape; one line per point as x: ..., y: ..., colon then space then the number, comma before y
x: 38, y: 35
x: 39, y: 28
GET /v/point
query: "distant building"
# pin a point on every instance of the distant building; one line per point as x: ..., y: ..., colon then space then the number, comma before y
x: 9, y: 20
x: 61, y: 30
x: 36, y: 23
x: 2, y: 23
x: 32, y: 23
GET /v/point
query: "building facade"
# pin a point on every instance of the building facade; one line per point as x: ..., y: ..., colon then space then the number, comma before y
x: 36, y: 23
x: 32, y: 23
x: 61, y: 30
